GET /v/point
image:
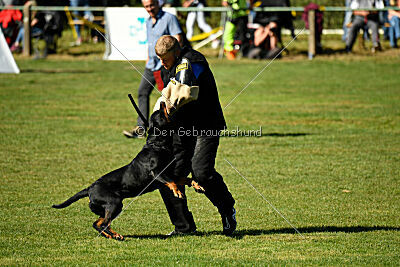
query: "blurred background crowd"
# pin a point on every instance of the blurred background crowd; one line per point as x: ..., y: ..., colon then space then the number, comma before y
x: 246, y: 33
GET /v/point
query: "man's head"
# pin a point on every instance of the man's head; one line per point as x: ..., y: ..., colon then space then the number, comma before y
x: 167, y: 49
x: 152, y: 7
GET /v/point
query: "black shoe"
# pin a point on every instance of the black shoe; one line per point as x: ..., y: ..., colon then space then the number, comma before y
x: 178, y: 233
x: 137, y: 132
x: 229, y: 222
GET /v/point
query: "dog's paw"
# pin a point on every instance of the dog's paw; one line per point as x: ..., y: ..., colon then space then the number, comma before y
x: 118, y: 237
x: 197, y: 187
x: 179, y: 194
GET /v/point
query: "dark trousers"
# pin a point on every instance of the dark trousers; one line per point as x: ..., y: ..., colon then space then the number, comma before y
x: 241, y: 30
x: 149, y: 80
x: 197, y: 155
x: 178, y: 210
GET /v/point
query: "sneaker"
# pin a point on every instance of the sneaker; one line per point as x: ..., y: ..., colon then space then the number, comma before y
x: 16, y: 48
x: 137, y: 132
x: 229, y: 222
x: 230, y: 55
x: 376, y: 48
x: 178, y: 233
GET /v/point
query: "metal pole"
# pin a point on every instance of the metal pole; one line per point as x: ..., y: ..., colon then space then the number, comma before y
x: 222, y: 23
x: 27, y: 29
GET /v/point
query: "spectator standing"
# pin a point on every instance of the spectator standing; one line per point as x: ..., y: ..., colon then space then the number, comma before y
x: 346, y: 20
x: 362, y: 18
x: 192, y: 15
x: 319, y: 23
x: 236, y: 23
x: 394, y: 19
x: 86, y: 15
x: 158, y: 24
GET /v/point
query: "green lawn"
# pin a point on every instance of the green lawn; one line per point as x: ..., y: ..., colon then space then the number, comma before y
x: 328, y: 160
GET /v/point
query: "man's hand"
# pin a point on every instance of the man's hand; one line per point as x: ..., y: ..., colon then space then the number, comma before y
x: 179, y: 38
x: 363, y: 13
x: 187, y: 3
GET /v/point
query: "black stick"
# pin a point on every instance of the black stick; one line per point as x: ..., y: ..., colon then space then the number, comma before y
x: 146, y: 123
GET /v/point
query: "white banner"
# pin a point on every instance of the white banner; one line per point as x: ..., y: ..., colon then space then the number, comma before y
x: 7, y: 62
x: 126, y: 30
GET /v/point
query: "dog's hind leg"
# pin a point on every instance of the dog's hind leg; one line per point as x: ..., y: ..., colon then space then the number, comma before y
x: 102, y: 228
x: 102, y: 225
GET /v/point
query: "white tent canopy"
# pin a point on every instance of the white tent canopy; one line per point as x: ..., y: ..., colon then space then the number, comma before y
x: 7, y: 62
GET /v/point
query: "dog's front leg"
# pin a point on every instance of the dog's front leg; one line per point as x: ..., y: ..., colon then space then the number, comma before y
x: 190, y: 182
x: 171, y: 185
x: 175, y: 190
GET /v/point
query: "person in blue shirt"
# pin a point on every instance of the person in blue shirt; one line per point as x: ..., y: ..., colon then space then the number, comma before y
x: 158, y: 24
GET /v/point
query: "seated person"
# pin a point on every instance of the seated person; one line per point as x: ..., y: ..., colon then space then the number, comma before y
x: 394, y: 19
x: 18, y: 44
x: 266, y: 36
x: 265, y: 43
x: 362, y: 18
x: 10, y: 21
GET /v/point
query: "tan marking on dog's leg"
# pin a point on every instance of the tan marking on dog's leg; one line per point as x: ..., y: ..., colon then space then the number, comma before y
x: 197, y: 187
x: 98, y: 226
x: 116, y: 235
x: 175, y: 190
x: 99, y: 222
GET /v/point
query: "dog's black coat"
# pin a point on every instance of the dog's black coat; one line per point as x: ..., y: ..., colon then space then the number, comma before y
x: 144, y: 174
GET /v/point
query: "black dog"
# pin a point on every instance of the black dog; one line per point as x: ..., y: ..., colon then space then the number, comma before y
x: 147, y: 171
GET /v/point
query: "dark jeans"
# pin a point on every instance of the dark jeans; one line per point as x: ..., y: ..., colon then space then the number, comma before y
x: 148, y: 82
x: 197, y: 155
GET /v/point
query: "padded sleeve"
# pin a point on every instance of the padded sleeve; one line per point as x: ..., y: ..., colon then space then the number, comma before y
x: 176, y: 94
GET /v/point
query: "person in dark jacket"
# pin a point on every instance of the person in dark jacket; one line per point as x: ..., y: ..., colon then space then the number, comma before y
x: 192, y: 102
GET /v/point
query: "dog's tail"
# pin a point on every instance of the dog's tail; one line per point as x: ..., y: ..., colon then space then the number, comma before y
x: 76, y: 197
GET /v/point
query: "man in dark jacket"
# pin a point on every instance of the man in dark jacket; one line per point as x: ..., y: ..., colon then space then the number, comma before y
x: 193, y: 104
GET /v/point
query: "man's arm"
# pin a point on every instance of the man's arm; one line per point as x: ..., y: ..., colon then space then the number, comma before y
x: 363, y: 13
x: 393, y: 13
x: 260, y: 35
x: 187, y: 3
x: 179, y: 38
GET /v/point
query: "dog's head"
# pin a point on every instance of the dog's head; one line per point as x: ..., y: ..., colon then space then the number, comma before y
x: 160, y: 128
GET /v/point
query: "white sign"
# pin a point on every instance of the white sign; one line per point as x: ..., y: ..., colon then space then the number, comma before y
x: 126, y: 32
x: 7, y: 62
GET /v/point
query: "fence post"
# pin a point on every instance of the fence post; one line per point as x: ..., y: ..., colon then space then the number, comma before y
x: 27, y: 29
x: 311, y: 35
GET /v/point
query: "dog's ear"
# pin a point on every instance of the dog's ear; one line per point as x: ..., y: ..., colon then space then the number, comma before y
x: 163, y: 108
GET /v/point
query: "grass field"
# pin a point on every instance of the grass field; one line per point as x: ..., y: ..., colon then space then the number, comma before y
x: 328, y: 160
